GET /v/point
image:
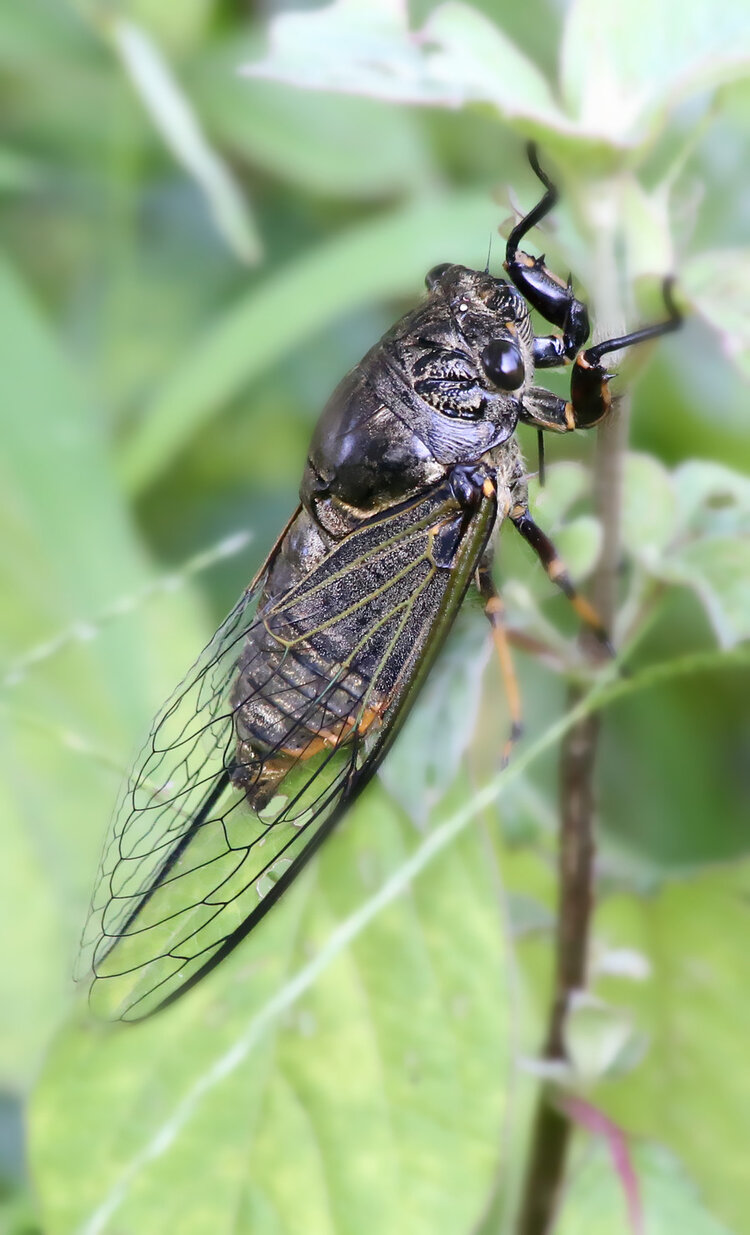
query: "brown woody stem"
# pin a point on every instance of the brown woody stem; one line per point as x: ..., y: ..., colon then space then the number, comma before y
x: 550, y: 1134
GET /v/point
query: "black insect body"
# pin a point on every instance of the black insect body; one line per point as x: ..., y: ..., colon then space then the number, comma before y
x: 292, y: 706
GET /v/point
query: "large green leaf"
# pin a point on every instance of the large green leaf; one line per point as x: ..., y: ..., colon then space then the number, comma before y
x: 353, y: 147
x: 74, y: 691
x: 620, y: 70
x: 716, y: 282
x: 377, y: 1092
x: 174, y: 117
x: 461, y: 57
x: 425, y: 761
x: 624, y: 66
x: 595, y: 1201
x: 692, y: 1091
x: 691, y: 528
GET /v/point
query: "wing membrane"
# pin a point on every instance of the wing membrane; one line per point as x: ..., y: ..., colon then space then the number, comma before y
x: 280, y: 722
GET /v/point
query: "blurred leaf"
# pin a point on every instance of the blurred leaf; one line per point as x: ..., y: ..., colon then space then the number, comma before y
x: 426, y: 758
x: 378, y: 1095
x: 647, y: 231
x: 38, y: 28
x: 174, y: 117
x: 528, y: 916
x: 594, y: 1202
x: 459, y: 57
x: 387, y: 256
x: 357, y: 46
x: 711, y: 493
x: 641, y: 64
x: 17, y: 173
x: 649, y: 516
x: 579, y: 544
x: 67, y: 550
x: 624, y: 66
x: 355, y: 147
x: 178, y: 26
x: 476, y: 61
x: 601, y: 1040
x: 717, y: 284
x: 693, y: 1089
x: 691, y: 529
x: 565, y: 483
x: 717, y: 568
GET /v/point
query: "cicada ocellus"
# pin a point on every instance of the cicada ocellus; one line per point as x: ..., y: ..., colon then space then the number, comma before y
x: 413, y: 467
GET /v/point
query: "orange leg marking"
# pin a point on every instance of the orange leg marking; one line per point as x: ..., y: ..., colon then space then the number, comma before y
x: 495, y: 611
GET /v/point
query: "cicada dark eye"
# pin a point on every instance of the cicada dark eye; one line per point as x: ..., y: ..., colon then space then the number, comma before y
x: 503, y: 364
x: 435, y: 275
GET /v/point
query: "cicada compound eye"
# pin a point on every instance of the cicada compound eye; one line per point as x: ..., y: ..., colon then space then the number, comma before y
x: 435, y: 275
x: 503, y: 364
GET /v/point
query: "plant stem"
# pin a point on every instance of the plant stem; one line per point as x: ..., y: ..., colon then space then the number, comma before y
x: 550, y: 1135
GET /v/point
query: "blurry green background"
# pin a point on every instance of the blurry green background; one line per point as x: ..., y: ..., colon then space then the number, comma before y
x: 191, y: 260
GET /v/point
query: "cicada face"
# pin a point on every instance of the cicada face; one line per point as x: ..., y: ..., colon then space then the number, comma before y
x: 491, y: 323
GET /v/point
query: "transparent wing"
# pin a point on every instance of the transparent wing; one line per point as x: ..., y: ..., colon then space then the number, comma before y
x: 281, y: 721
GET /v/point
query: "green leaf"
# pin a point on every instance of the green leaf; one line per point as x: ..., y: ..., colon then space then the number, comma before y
x: 565, y: 483
x: 349, y: 45
x: 717, y: 568
x: 378, y: 1090
x: 710, y: 495
x: 17, y: 172
x: 427, y: 756
x: 384, y: 257
x: 579, y: 544
x: 594, y: 1201
x: 649, y: 515
x: 175, y: 118
x: 357, y: 148
x: 646, y: 226
x: 600, y: 1039
x: 73, y: 693
x: 477, y: 62
x: 692, y: 1091
x: 692, y: 528
x: 460, y: 57
x: 624, y: 66
x: 178, y: 26
x: 717, y: 283
x: 619, y: 71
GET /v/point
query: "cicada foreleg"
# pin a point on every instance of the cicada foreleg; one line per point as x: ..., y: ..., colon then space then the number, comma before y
x: 542, y: 288
x: 590, y: 399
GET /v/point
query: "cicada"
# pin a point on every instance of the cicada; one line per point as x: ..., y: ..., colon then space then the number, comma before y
x: 291, y: 708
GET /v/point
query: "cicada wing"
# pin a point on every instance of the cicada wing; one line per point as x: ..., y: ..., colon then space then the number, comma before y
x: 277, y: 727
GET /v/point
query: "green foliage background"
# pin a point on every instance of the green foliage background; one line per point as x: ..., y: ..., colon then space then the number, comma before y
x: 191, y: 260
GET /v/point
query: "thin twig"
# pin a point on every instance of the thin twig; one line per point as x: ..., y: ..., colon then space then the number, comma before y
x: 550, y: 1135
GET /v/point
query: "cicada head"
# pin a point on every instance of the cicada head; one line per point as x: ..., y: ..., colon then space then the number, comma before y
x: 492, y: 320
